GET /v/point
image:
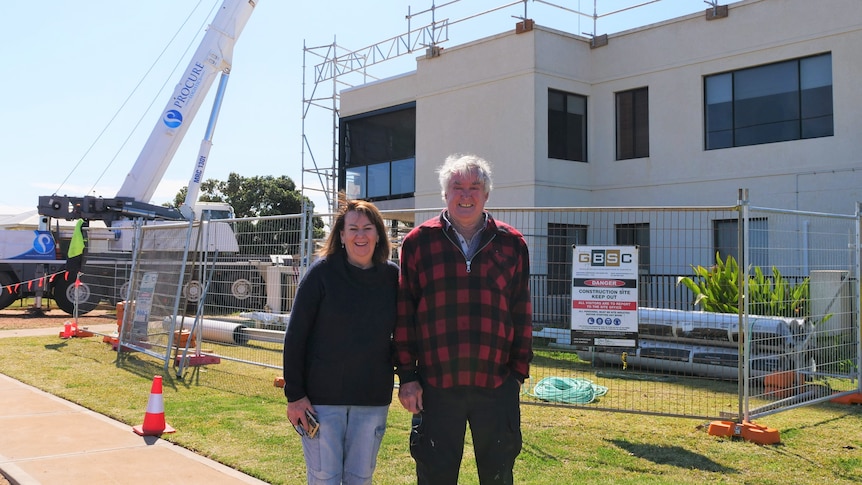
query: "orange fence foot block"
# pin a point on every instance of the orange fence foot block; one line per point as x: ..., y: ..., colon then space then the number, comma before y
x: 849, y: 399
x: 198, y: 360
x: 760, y: 434
x: 69, y: 329
x: 747, y: 431
x: 721, y: 428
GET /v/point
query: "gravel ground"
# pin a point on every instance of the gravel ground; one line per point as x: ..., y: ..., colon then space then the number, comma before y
x: 17, y: 317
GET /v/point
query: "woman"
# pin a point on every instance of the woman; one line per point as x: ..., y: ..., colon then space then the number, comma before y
x: 338, y: 367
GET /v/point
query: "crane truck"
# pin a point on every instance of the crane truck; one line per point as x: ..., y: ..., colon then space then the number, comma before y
x: 32, y: 263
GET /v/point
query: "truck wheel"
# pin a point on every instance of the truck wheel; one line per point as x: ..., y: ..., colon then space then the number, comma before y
x: 7, y: 280
x: 240, y: 292
x: 193, y: 290
x: 241, y: 289
x: 124, y: 292
x: 65, y: 294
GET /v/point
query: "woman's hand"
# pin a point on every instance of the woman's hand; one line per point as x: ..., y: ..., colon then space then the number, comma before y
x: 296, y: 413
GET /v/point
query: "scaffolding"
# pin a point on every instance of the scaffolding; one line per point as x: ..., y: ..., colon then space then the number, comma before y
x: 339, y: 68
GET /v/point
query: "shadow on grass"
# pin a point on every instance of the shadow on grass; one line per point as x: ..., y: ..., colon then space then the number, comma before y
x: 673, y: 456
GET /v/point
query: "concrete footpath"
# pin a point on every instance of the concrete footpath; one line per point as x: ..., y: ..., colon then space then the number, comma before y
x: 50, y: 441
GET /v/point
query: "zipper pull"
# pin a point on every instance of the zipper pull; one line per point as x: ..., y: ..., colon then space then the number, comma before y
x: 469, y: 262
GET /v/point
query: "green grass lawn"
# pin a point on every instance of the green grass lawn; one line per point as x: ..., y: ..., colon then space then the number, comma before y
x: 233, y: 414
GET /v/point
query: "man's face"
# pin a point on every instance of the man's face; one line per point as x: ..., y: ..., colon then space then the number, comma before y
x: 465, y: 198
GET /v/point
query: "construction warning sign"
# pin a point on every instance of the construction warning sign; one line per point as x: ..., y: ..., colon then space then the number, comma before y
x: 605, y: 296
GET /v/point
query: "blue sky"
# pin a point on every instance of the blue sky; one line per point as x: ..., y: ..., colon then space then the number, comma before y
x: 69, y: 67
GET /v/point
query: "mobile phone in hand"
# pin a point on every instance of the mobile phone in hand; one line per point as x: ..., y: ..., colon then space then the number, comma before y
x: 313, y: 425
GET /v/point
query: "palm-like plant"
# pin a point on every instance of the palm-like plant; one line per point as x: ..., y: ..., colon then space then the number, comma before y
x: 716, y: 289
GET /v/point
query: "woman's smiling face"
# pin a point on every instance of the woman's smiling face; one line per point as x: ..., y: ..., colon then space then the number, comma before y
x: 359, y: 237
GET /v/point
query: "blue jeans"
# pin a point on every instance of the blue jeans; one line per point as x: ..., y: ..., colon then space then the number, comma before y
x: 345, y: 449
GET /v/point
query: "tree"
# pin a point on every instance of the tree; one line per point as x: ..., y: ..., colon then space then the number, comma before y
x: 252, y: 196
x: 256, y: 197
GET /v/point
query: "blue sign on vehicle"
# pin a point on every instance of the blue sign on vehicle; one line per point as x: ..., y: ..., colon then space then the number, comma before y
x: 35, y: 245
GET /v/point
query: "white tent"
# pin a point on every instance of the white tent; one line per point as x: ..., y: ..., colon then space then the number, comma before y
x: 30, y: 221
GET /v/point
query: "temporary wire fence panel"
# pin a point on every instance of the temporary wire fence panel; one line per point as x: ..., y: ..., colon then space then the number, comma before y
x: 805, y: 269
x: 159, y: 272
x: 684, y: 362
x: 687, y: 361
x: 247, y: 292
x: 228, y: 296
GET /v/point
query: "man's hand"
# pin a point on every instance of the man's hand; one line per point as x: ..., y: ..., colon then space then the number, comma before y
x: 410, y: 395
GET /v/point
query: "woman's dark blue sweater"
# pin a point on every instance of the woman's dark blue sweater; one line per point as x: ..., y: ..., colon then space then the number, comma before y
x: 338, y: 344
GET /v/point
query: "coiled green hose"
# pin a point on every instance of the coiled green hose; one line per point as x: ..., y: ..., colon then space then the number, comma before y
x: 569, y: 390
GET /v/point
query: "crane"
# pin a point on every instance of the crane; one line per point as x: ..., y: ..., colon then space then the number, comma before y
x: 213, y: 56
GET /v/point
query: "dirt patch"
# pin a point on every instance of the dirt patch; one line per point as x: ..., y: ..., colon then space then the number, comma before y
x: 21, y: 317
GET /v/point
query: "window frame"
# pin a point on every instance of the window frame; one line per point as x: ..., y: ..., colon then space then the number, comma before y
x: 635, y: 234
x: 749, y: 106
x: 372, y: 179
x: 561, y: 238
x: 758, y: 239
x: 567, y: 130
x: 632, y: 123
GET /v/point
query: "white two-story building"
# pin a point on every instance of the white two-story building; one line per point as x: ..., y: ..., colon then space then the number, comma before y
x: 758, y: 94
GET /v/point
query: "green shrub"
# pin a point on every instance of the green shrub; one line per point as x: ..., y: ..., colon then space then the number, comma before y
x: 716, y: 289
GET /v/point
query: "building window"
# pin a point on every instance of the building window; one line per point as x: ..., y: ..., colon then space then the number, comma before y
x: 378, y: 180
x: 378, y: 154
x: 567, y: 126
x: 561, y: 238
x: 636, y: 235
x: 726, y: 240
x: 381, y: 180
x: 632, y: 124
x: 402, y: 177
x: 789, y: 100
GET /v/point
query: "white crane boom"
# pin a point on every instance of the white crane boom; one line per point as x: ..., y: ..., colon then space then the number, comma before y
x: 214, y: 55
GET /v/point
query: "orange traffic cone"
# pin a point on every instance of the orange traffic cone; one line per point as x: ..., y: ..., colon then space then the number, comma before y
x: 154, y: 419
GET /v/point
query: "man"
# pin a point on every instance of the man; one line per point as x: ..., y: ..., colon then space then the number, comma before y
x: 464, y: 332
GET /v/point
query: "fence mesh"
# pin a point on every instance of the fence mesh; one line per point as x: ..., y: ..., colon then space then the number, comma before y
x: 160, y: 273
x: 816, y: 355
x: 685, y: 362
x: 797, y: 343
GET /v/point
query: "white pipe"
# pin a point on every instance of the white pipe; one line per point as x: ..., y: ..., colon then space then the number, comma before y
x: 224, y: 332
